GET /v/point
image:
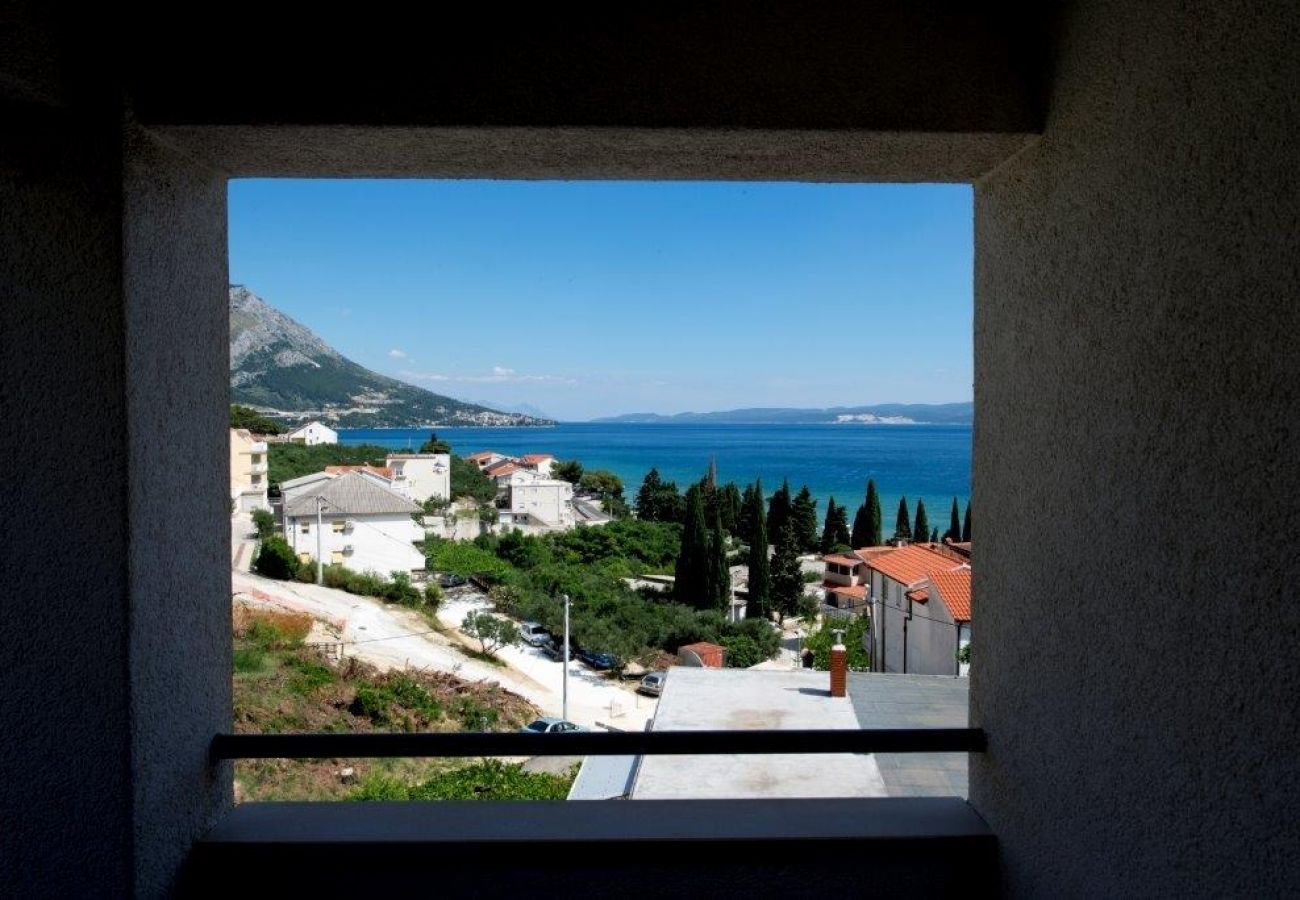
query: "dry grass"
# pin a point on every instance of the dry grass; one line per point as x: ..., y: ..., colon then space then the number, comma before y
x: 294, y: 626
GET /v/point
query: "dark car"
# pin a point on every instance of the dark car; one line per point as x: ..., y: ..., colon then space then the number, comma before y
x: 449, y: 581
x: 597, y: 660
x: 553, y: 650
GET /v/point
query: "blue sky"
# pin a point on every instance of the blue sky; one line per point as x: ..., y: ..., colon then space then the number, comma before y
x: 595, y: 298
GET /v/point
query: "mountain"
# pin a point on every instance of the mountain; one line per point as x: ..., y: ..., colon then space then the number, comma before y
x: 282, y: 368
x: 880, y: 414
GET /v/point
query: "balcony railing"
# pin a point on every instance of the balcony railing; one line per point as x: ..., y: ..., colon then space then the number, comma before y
x: 630, y: 743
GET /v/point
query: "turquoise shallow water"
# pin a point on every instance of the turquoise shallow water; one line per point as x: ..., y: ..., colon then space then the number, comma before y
x: 929, y: 461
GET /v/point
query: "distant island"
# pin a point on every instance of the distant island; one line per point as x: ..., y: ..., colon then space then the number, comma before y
x: 880, y: 414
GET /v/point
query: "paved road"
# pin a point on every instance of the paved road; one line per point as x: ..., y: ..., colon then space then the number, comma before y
x: 392, y: 637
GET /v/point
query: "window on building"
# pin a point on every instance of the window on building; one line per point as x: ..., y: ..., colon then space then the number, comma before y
x: 336, y: 557
x: 338, y: 526
x: 304, y: 528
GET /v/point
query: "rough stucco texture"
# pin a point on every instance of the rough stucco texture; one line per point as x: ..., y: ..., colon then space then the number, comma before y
x: 65, y: 795
x: 177, y: 356
x: 1137, y: 370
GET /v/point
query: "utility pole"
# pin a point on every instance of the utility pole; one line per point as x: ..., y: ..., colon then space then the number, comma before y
x: 320, y: 564
x: 564, y: 660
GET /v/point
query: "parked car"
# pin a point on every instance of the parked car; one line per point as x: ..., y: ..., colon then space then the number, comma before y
x: 533, y: 634
x: 551, y: 725
x: 554, y: 651
x: 450, y: 581
x: 597, y: 660
x: 653, y: 684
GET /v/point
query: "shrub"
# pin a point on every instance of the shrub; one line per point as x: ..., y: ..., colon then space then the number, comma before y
x: 249, y: 659
x: 821, y: 641
x: 264, y: 522
x: 275, y: 559
x: 742, y: 652
x: 309, y: 676
x: 268, y: 635
x: 286, y: 627
x: 306, y: 571
x: 491, y: 633
x: 400, y: 590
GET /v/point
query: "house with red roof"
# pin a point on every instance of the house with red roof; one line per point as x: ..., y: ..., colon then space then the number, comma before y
x: 843, y: 584
x: 538, y: 462
x: 920, y: 604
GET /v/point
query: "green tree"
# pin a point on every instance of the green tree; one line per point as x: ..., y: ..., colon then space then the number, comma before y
x: 490, y: 632
x: 903, y: 524
x: 691, y: 582
x: 921, y: 531
x: 778, y: 509
x: 866, y: 524
x: 828, y: 528
x: 609, y: 487
x: 569, y: 470
x: 659, y: 500
x: 760, y: 577
x: 803, y: 516
x: 264, y: 522
x: 275, y: 559
x: 729, y: 504
x: 965, y: 530
x: 467, y: 480
x: 934, y: 535
x: 718, y: 586
x: 835, y: 533
x: 748, y: 504
x: 433, y: 445
x: 787, y: 576
x: 954, y: 524
x: 254, y: 421
x: 821, y: 641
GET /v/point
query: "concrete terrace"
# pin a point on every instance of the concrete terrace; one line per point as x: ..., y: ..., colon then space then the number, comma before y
x: 914, y: 701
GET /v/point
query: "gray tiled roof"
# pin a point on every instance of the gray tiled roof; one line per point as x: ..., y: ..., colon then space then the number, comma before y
x: 351, y: 495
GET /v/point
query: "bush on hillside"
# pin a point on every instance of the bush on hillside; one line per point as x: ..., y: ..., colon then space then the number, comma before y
x: 275, y: 559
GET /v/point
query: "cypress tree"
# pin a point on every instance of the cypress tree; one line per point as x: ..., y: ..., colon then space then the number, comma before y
x: 787, y: 577
x: 745, y: 519
x: 778, y: 509
x: 934, y: 535
x: 954, y: 527
x: 719, y: 581
x: 874, y: 518
x: 861, y: 534
x: 690, y: 586
x: 965, y: 531
x: 729, y: 507
x: 921, y: 533
x: 760, y: 578
x: 842, y: 527
x: 828, y: 529
x: 903, y: 524
x: 803, y: 516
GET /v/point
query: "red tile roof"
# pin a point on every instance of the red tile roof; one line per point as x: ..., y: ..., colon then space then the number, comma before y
x: 537, y: 457
x: 483, y: 454
x: 912, y: 564
x: 954, y: 591
x: 842, y: 560
x: 920, y: 595
x: 502, y: 468
x: 858, y: 591
x: 866, y: 554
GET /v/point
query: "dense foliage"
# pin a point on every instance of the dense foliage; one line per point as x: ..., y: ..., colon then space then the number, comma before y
x: 491, y: 632
x: 488, y: 779
x: 468, y: 481
x: 965, y: 529
x: 529, y: 574
x: 609, y: 488
x: 787, y: 575
x: 760, y: 577
x: 835, y: 531
x: 659, y: 500
x: 434, y: 445
x: 264, y: 522
x: 803, y: 518
x: 275, y: 559
x: 823, y: 638
x: 903, y: 522
x: 569, y: 470
x: 954, y: 523
x: 289, y: 461
x: 254, y: 421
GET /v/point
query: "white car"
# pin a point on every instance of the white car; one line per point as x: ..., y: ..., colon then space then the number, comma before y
x: 534, y: 635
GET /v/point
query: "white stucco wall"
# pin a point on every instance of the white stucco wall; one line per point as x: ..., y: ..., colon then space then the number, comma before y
x: 382, y: 543
x: 421, y: 477
x: 550, y: 501
x: 314, y: 433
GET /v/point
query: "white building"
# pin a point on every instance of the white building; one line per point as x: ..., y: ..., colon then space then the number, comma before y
x: 921, y: 609
x: 247, y: 471
x: 536, y: 506
x: 421, y: 476
x: 485, y: 459
x: 538, y: 462
x: 364, y: 525
x: 313, y: 433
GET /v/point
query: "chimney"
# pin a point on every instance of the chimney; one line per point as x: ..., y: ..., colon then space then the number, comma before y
x: 839, y: 666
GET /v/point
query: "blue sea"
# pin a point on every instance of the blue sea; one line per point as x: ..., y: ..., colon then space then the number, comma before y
x: 928, y: 461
